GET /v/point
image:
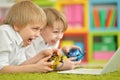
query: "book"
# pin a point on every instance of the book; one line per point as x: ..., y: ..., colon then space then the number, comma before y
x: 96, y: 17
x: 102, y: 17
x: 115, y: 23
x: 109, y: 18
x: 113, y: 18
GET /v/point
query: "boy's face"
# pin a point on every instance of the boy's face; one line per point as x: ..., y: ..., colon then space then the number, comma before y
x: 52, y: 35
x: 28, y: 33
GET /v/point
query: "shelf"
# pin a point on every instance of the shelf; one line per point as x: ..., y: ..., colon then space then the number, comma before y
x: 104, y: 30
x: 105, y: 42
x: 76, y: 13
x: 104, y: 14
x: 76, y: 30
x: 88, y: 31
x: 104, y: 17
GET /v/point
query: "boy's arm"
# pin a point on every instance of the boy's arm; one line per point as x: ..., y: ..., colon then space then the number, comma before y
x: 41, y: 66
x: 16, y: 69
x: 39, y: 56
x: 33, y: 60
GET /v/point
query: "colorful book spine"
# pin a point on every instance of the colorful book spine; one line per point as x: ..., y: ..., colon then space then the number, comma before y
x: 96, y: 17
x: 115, y: 23
x: 109, y: 18
x: 102, y: 18
x: 113, y: 18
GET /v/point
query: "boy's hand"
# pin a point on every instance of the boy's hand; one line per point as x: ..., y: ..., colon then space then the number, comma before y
x: 57, y: 58
x: 66, y: 49
x: 73, y: 51
x: 43, y: 65
x: 69, y: 64
x: 47, y: 52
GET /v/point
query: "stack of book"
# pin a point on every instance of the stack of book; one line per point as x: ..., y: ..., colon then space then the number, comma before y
x: 104, y: 19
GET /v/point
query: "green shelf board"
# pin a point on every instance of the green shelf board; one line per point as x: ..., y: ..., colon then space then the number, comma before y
x: 44, y: 3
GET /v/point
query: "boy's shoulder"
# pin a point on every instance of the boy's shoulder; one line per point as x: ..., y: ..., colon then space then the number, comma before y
x: 7, y: 31
x: 5, y: 27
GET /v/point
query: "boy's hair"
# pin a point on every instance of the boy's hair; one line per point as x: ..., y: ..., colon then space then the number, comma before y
x: 25, y: 12
x: 55, y: 15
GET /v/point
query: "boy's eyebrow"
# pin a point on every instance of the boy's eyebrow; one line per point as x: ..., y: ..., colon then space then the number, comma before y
x: 56, y: 29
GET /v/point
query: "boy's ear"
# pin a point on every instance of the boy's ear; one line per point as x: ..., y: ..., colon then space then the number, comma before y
x: 16, y: 28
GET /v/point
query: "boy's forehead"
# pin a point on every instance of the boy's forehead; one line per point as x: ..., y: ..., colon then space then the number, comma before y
x: 37, y: 24
x: 58, y: 24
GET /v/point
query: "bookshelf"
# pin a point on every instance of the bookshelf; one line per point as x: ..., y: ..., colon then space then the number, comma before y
x: 76, y: 13
x: 107, y: 8
x: 104, y: 36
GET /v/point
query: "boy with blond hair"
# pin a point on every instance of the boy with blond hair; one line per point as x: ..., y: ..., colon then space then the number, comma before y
x: 22, y: 25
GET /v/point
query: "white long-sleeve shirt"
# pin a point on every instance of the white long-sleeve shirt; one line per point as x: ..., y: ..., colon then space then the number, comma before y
x: 11, y: 50
x: 37, y: 46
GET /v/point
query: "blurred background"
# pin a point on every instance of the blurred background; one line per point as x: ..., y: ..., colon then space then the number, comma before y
x: 94, y: 25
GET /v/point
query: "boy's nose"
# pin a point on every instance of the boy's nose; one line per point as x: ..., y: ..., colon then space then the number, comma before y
x: 60, y: 36
x: 37, y: 34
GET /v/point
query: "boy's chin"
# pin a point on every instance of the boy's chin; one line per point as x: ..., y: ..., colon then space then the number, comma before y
x: 27, y: 43
x: 52, y: 44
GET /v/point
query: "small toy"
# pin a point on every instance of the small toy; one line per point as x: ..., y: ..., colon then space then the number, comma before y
x: 76, y: 53
x: 57, y: 58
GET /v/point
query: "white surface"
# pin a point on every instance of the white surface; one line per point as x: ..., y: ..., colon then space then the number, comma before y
x: 82, y: 71
x: 112, y: 65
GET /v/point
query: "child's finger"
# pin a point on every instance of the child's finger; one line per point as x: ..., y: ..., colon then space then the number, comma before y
x: 56, y: 51
x: 46, y: 62
x: 49, y: 69
x: 74, y: 47
x: 72, y: 58
x: 77, y: 63
x: 46, y: 58
x: 50, y: 63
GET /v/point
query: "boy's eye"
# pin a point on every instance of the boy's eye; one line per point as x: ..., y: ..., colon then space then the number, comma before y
x: 56, y: 31
x: 36, y: 28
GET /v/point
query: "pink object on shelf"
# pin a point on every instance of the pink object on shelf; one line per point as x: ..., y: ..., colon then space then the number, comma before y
x: 78, y: 17
x: 74, y: 14
x: 68, y: 13
x: 103, y: 55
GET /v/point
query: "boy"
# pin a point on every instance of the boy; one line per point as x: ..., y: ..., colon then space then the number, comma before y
x: 22, y: 24
x: 51, y: 36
